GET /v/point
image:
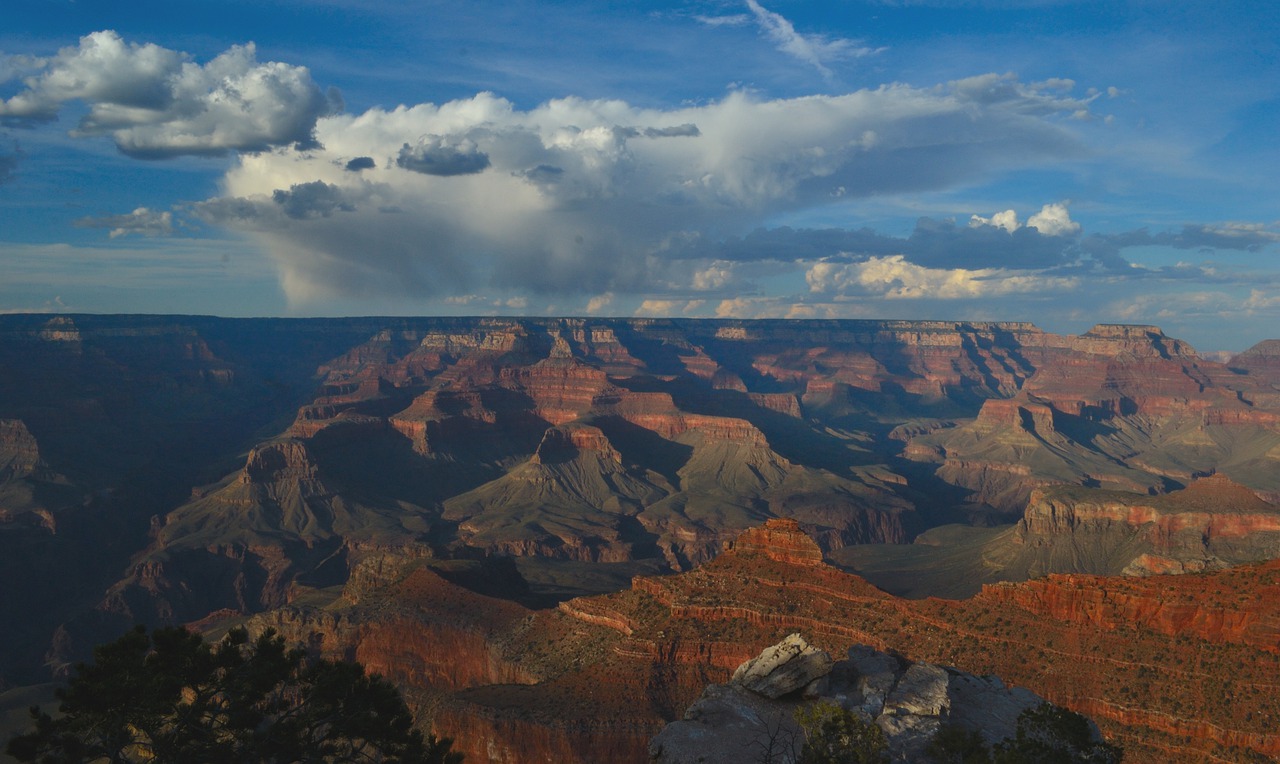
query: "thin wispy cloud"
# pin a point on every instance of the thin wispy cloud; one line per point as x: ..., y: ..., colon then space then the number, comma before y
x: 142, y: 222
x: 815, y: 50
x: 733, y: 20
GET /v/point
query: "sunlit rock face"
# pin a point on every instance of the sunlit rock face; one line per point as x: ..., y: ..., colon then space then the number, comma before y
x: 781, y: 540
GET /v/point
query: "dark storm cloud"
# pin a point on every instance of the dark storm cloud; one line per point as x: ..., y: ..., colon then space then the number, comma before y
x: 434, y: 155
x: 1106, y: 248
x: 1231, y: 237
x: 677, y: 131
x: 543, y: 175
x: 311, y: 200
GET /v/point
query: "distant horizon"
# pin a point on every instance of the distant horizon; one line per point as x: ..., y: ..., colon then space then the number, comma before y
x: 603, y: 318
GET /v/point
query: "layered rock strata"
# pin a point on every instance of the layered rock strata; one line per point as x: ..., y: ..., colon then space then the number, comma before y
x: 580, y: 442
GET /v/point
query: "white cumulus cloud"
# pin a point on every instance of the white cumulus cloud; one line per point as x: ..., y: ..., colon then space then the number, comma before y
x: 595, y: 196
x: 895, y: 278
x: 1051, y: 220
x: 1008, y: 220
x: 1054, y: 220
x: 157, y: 102
x: 716, y: 276
x: 599, y: 303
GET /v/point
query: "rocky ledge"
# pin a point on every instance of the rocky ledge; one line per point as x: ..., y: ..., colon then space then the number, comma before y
x: 753, y: 717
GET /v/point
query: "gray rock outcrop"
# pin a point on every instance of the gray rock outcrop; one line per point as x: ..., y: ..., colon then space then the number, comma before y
x: 751, y: 719
x: 784, y: 668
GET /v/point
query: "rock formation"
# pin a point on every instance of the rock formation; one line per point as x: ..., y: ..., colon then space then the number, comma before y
x: 751, y: 720
x: 597, y: 677
x: 782, y: 669
x: 1213, y: 523
x: 19, y: 454
x: 252, y: 468
x: 779, y: 539
x: 1262, y: 359
x: 123, y: 416
x: 1120, y: 407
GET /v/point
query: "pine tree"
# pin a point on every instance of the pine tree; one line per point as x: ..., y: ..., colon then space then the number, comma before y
x: 171, y: 697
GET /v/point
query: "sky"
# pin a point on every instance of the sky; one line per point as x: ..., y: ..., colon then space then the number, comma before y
x: 1064, y: 163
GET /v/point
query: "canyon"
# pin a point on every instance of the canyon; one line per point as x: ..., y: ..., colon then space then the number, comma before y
x: 522, y: 494
x: 1171, y: 667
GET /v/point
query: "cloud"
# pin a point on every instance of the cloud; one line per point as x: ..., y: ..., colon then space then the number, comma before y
x: 675, y: 131
x: 999, y: 241
x: 1238, y: 237
x: 1008, y: 220
x: 229, y: 211
x: 769, y: 307
x: 1249, y: 237
x: 732, y: 20
x: 104, y: 71
x: 1183, y: 307
x: 55, y: 305
x: 591, y: 196
x: 14, y: 66
x: 715, y: 277
x: 942, y: 243
x: 155, y: 102
x: 1051, y: 96
x: 360, y: 163
x: 1260, y: 300
x: 438, y: 155
x: 659, y: 308
x: 142, y: 221
x: 311, y: 200
x: 599, y: 303
x: 1051, y: 220
x: 895, y: 278
x: 814, y: 50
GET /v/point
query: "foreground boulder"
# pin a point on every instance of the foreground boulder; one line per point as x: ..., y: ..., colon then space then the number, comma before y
x: 784, y: 668
x: 754, y: 716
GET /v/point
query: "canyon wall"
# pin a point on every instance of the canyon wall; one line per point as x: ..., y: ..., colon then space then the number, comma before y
x: 188, y: 469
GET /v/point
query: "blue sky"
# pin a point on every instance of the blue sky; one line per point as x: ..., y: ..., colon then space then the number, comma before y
x: 1061, y: 162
